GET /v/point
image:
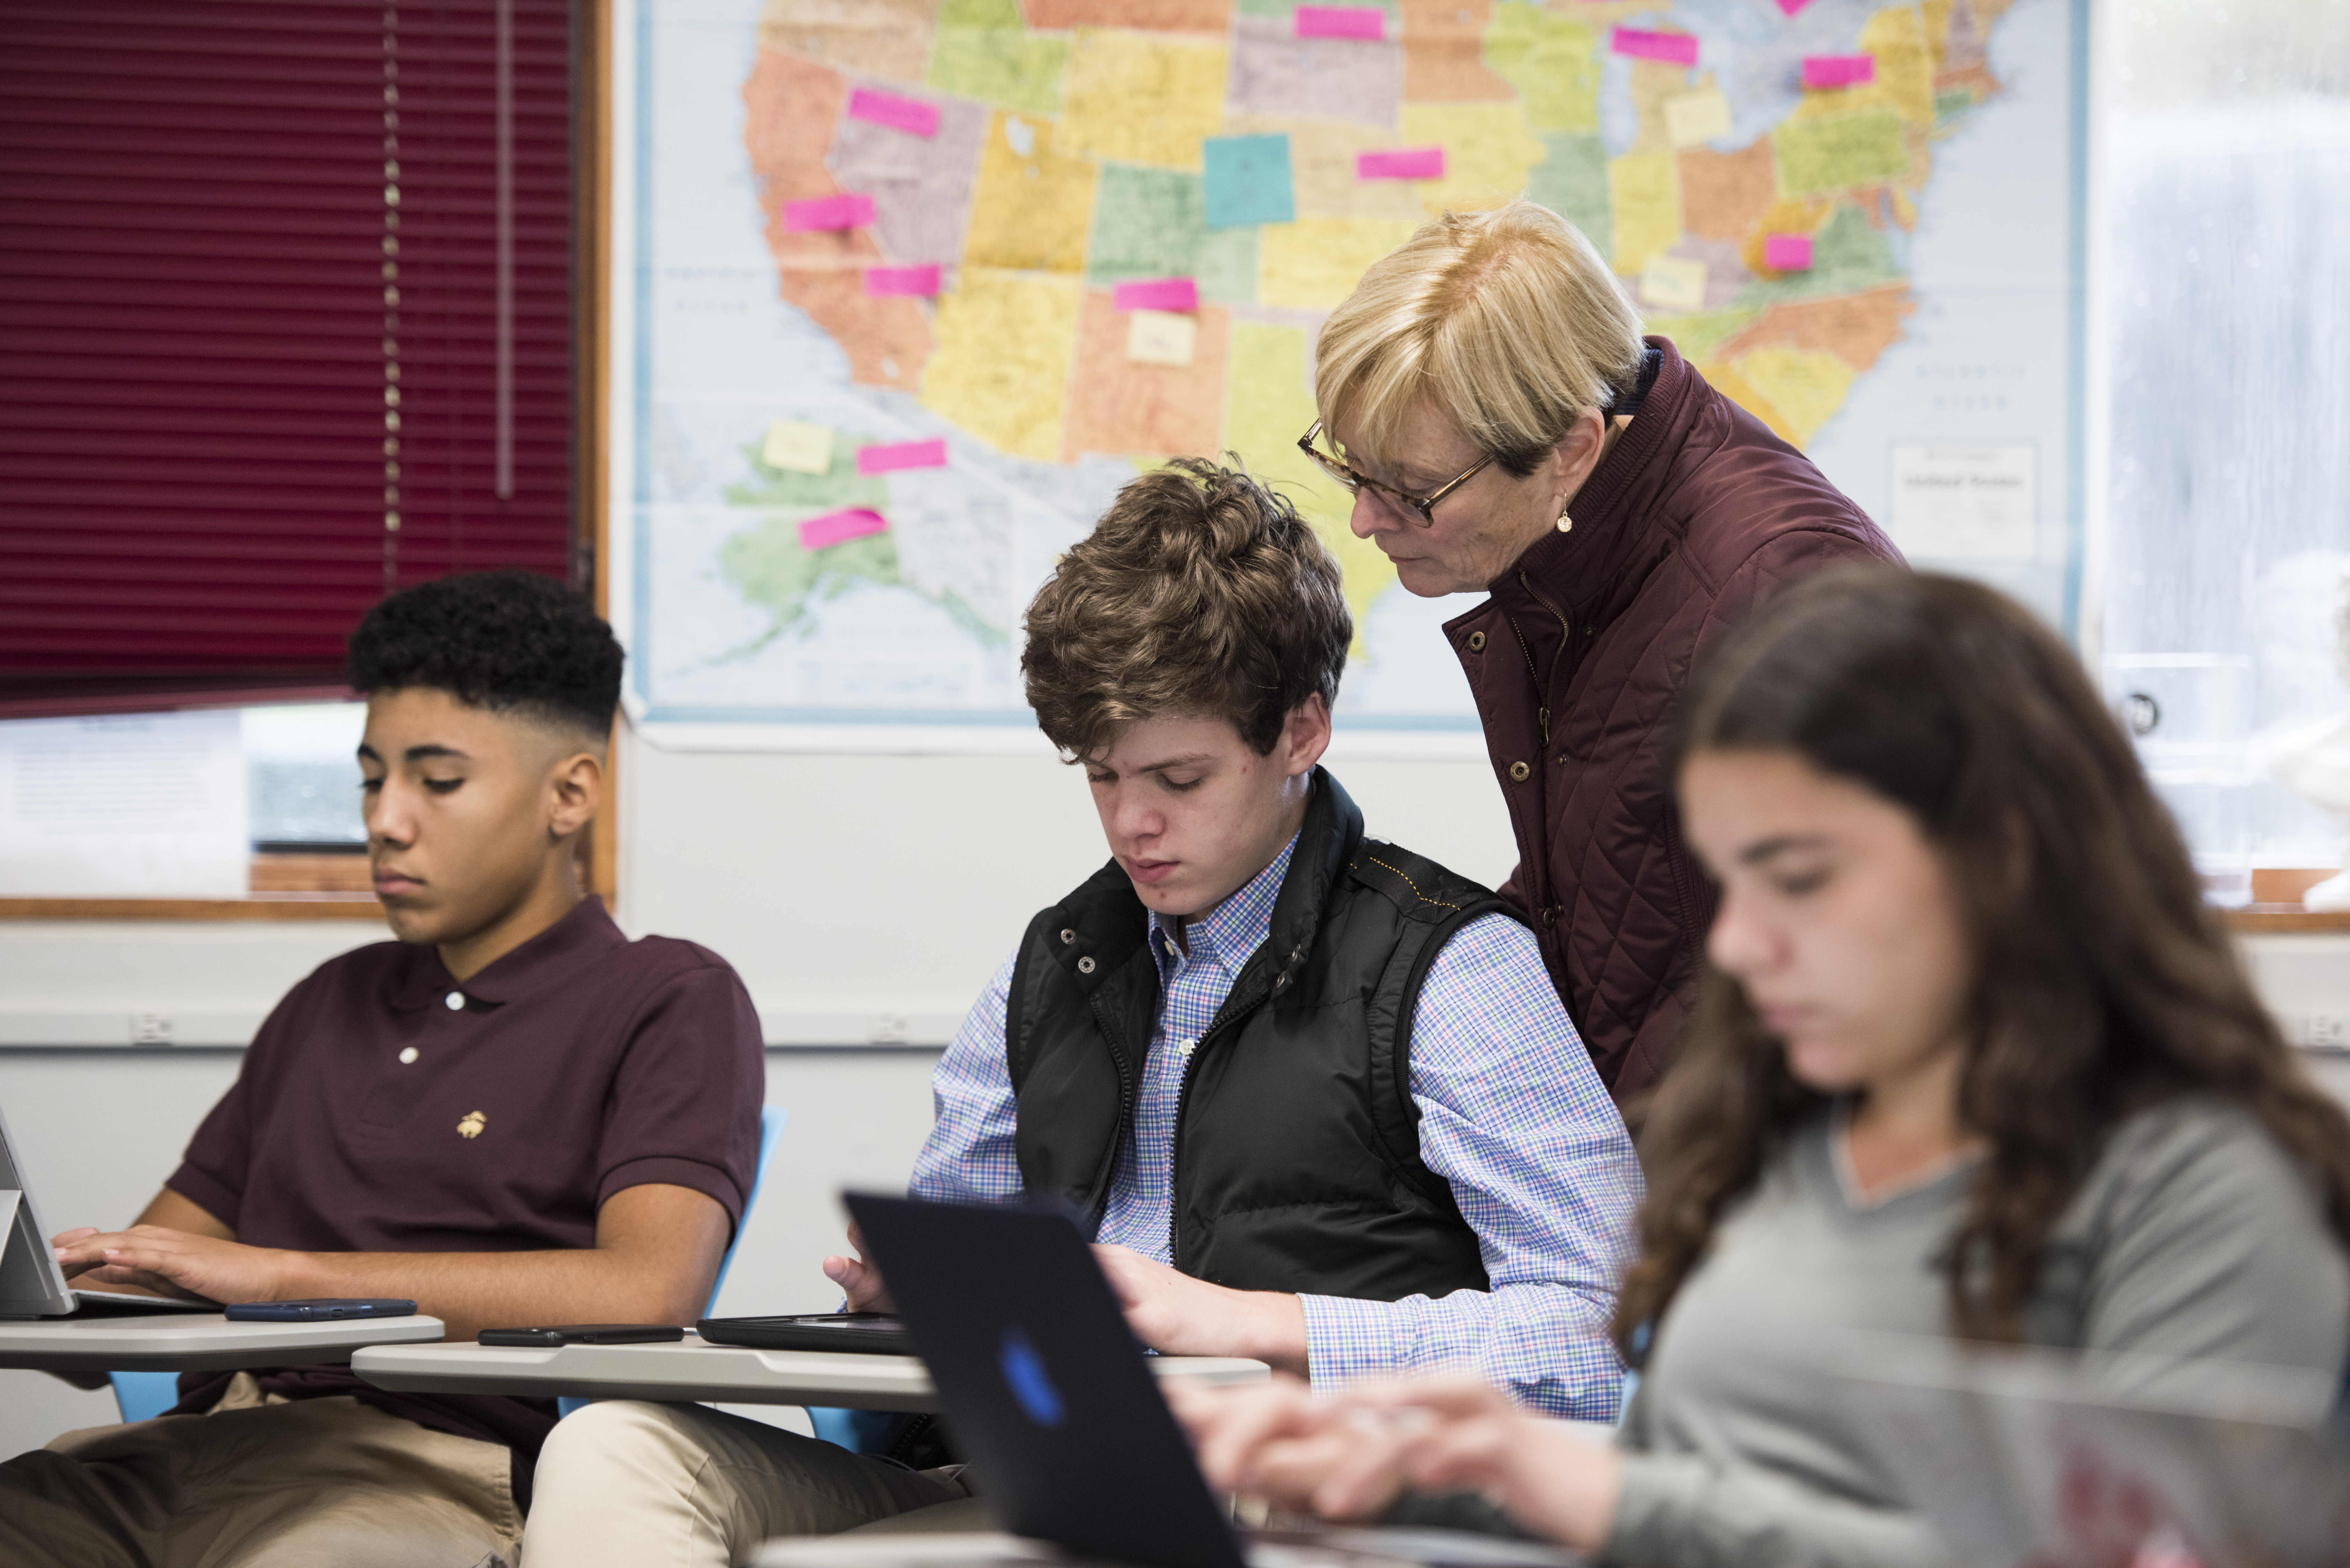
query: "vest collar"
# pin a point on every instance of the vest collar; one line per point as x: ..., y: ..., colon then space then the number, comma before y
x: 1107, y: 922
x: 1232, y: 931
x: 1326, y: 843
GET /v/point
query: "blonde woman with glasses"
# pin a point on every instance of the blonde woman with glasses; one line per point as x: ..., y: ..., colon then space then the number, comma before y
x: 1487, y: 397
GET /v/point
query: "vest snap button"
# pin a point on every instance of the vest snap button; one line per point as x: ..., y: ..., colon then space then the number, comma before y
x: 1550, y: 916
x: 1518, y: 771
x: 1068, y: 935
x: 1476, y: 642
x: 1085, y: 966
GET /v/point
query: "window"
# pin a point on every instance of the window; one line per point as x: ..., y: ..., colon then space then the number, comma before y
x: 284, y: 323
x: 2228, y: 321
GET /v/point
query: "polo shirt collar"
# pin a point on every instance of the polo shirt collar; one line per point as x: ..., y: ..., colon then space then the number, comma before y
x: 1228, y: 934
x: 585, y: 932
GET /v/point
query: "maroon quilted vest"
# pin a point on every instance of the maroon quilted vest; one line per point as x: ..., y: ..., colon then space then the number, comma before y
x: 1697, y: 516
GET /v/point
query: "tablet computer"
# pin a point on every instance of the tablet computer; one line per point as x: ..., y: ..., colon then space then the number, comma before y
x: 31, y: 1284
x: 871, y: 1333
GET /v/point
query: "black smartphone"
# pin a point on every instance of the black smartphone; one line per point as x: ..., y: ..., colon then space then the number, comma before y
x: 325, y: 1309
x: 583, y: 1334
x: 872, y: 1332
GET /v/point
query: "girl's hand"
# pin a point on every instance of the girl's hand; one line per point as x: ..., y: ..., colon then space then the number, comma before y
x: 1350, y: 1454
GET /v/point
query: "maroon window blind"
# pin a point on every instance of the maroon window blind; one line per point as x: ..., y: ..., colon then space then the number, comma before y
x: 284, y: 323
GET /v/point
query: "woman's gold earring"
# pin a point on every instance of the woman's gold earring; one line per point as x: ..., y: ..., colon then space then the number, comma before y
x: 1565, y: 524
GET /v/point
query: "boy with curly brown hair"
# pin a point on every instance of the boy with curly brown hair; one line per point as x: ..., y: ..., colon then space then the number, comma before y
x: 1313, y: 1093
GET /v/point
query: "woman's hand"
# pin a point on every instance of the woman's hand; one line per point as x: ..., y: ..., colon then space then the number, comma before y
x: 1350, y: 1455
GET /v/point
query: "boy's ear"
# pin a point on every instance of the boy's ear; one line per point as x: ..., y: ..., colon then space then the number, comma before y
x: 1307, y: 731
x: 575, y: 791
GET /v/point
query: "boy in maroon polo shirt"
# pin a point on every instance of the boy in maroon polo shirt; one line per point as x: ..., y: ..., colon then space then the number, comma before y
x: 514, y: 1115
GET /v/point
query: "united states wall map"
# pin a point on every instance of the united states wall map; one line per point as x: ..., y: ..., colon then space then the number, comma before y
x: 907, y: 288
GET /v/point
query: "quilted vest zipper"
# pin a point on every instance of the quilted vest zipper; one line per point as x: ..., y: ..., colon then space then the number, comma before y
x: 1565, y: 636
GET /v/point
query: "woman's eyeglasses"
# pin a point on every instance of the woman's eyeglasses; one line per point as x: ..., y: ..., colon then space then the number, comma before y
x: 1422, y: 506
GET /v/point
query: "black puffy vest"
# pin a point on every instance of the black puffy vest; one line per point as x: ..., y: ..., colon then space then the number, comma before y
x: 1297, y: 1161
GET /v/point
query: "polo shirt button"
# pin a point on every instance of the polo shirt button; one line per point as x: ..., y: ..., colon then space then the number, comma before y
x: 408, y: 1056
x: 1476, y: 642
x: 456, y: 999
x: 1518, y: 771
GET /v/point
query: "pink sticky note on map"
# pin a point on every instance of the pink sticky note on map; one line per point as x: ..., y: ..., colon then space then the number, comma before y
x: 873, y: 460
x: 1402, y: 163
x: 1787, y: 253
x: 884, y: 282
x: 1792, y: 7
x: 1181, y: 294
x: 843, y: 212
x: 1341, y: 22
x: 839, y: 527
x: 1672, y: 49
x: 897, y: 113
x: 1838, y: 70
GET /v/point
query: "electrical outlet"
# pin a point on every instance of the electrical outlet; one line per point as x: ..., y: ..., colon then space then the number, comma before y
x: 2322, y: 1032
x: 150, y: 1029
x: 885, y: 1029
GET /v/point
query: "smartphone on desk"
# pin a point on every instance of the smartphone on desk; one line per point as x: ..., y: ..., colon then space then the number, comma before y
x: 583, y: 1334
x: 873, y: 1333
x: 327, y: 1309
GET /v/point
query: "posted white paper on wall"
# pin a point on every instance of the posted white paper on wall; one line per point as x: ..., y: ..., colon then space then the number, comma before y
x: 1966, y: 502
x: 144, y: 806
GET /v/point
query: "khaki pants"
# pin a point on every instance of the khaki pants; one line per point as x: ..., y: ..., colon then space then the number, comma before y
x: 623, y: 1484
x: 306, y: 1483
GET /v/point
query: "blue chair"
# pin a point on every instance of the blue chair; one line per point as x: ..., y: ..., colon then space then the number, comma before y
x: 142, y: 1396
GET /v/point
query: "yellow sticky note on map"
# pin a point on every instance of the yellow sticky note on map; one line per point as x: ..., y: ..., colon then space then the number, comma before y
x: 1161, y: 338
x: 1673, y: 282
x: 1694, y: 119
x: 800, y: 448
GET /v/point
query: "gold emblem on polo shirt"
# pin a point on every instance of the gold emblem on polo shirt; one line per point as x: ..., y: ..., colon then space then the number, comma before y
x: 472, y: 1125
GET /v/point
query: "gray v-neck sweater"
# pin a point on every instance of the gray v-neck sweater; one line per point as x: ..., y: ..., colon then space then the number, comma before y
x: 2195, y: 1236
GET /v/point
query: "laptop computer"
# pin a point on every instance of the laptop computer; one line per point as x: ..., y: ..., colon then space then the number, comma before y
x: 1049, y: 1395
x: 2028, y: 1456
x: 31, y: 1284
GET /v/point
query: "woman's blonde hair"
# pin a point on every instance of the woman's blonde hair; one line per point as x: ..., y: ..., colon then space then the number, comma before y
x: 1506, y: 322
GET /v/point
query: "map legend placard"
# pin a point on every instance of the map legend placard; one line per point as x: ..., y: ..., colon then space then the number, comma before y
x: 1965, y: 503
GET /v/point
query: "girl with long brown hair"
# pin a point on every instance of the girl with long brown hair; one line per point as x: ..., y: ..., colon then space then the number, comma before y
x: 1972, y: 1059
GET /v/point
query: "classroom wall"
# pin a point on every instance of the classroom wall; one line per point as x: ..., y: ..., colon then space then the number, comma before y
x: 862, y: 897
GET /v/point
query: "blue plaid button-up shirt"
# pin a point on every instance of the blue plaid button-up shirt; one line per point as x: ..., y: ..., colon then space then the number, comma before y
x: 1512, y: 1115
